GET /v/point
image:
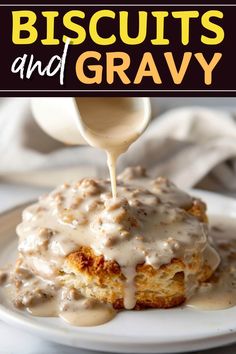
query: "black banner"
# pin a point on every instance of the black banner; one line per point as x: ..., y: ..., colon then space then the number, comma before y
x: 106, y: 49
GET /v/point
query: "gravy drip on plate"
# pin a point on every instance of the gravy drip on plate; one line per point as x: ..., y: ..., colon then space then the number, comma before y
x: 220, y: 291
x: 146, y: 223
x: 49, y: 298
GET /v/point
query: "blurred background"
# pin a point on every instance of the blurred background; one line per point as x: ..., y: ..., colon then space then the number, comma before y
x: 190, y: 140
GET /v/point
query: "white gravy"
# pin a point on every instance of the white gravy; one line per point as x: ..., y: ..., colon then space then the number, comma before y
x: 220, y: 291
x: 112, y: 125
x: 122, y: 230
x: 45, y: 298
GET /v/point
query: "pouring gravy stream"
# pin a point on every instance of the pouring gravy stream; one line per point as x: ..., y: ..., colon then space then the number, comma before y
x: 112, y: 125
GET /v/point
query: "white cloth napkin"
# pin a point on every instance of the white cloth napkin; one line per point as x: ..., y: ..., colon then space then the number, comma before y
x: 189, y: 145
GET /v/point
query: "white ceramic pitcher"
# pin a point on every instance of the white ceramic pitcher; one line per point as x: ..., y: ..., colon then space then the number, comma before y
x: 60, y: 117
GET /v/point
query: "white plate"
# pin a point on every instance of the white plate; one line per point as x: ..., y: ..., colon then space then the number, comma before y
x: 153, y: 331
